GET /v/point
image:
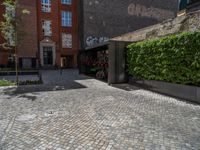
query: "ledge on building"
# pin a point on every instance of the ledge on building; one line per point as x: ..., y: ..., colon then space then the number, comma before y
x: 96, y: 46
x: 185, y: 92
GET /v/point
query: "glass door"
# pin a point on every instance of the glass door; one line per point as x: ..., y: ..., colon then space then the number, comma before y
x: 48, y: 56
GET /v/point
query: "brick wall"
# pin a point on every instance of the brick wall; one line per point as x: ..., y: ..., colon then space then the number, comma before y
x: 57, y: 29
x: 188, y: 22
x: 194, y: 6
x: 54, y: 16
x: 27, y: 30
x: 3, y: 57
x: 30, y: 30
x: 106, y: 19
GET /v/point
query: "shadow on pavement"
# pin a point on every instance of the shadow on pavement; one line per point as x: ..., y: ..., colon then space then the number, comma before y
x: 52, y: 81
x: 20, y: 90
x: 29, y: 97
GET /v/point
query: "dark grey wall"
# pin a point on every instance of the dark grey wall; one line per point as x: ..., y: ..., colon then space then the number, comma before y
x: 195, y: 6
x: 103, y: 19
x: 117, y: 63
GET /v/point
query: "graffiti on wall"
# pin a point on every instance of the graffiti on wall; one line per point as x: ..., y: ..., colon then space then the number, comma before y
x: 151, y: 12
x: 92, y: 40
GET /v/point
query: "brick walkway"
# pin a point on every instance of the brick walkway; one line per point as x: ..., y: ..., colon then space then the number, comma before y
x: 78, y: 113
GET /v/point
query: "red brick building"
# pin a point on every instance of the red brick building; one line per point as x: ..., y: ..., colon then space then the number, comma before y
x: 28, y: 44
x: 50, y: 34
x: 57, y: 32
x: 3, y: 52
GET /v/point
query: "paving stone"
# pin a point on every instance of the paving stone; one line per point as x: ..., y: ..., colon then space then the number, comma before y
x: 72, y: 111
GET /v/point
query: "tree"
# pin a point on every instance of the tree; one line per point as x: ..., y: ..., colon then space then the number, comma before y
x: 9, y: 27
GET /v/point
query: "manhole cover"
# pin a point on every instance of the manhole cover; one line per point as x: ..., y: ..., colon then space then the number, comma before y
x: 50, y: 113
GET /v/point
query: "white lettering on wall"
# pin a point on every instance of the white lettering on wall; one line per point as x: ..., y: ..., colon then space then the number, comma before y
x: 152, y: 12
x: 92, y: 40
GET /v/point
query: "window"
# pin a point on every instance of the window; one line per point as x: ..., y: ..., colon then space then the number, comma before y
x: 68, y: 2
x: 66, y: 18
x: 46, y: 5
x: 66, y: 40
x: 26, y: 62
x: 46, y: 27
x: 48, y: 55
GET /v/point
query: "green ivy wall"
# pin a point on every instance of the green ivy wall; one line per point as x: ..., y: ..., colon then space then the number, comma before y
x: 175, y: 59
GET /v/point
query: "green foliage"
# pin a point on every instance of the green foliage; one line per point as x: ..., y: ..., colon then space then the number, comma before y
x: 12, y: 19
x: 8, y: 25
x: 30, y: 82
x: 175, y: 58
x: 27, y: 82
x: 6, y: 83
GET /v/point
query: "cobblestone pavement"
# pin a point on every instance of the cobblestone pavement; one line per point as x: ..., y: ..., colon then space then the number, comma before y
x: 79, y: 113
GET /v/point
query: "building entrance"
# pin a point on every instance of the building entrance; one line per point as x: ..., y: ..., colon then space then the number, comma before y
x: 48, y: 56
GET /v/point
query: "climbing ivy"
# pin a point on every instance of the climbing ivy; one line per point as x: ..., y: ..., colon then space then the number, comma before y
x: 175, y: 58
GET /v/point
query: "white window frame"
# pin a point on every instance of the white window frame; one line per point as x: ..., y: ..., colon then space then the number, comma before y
x: 46, y: 27
x: 67, y: 40
x: 46, y: 6
x: 66, y: 18
x: 66, y: 2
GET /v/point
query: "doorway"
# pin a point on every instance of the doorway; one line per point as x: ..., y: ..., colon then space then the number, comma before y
x: 48, y: 55
x: 67, y: 61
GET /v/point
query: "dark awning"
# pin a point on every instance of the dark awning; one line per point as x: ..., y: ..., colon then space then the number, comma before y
x: 97, y: 47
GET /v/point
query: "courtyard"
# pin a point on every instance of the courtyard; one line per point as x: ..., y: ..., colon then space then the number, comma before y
x: 76, y: 112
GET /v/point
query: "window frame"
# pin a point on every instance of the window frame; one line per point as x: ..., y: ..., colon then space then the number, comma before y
x: 46, y: 6
x: 43, y: 28
x: 66, y: 2
x: 66, y: 18
x: 71, y: 38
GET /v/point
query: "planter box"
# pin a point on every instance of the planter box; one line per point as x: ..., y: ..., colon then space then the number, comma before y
x: 11, y: 73
x: 189, y: 93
